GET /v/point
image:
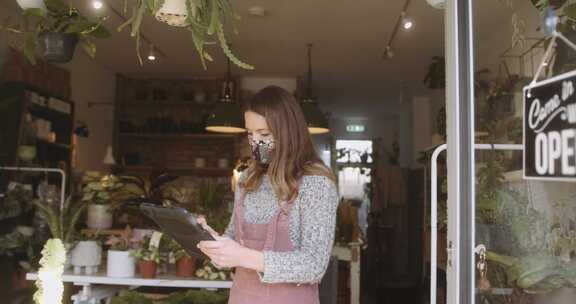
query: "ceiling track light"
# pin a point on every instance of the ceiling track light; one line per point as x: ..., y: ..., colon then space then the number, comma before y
x: 388, y: 53
x: 97, y: 4
x: 152, y: 53
x: 407, y: 22
x: 403, y: 21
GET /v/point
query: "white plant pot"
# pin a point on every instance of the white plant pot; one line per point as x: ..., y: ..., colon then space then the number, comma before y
x: 437, y: 4
x: 99, y: 217
x: 120, y: 264
x: 86, y: 253
x: 26, y: 4
x: 174, y: 13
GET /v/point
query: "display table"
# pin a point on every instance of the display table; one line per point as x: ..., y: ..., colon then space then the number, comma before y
x: 99, y: 287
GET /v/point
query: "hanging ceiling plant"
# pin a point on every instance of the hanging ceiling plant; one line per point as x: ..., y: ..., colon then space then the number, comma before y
x: 203, y: 18
x: 55, y: 30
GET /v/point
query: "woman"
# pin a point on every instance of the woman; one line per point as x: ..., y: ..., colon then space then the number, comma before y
x: 281, y: 233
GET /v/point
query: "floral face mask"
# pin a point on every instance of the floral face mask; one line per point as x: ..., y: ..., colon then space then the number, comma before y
x: 261, y: 150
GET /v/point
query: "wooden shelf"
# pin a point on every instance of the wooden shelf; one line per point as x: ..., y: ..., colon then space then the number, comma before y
x: 54, y: 145
x: 47, y: 113
x: 183, y: 169
x: 178, y: 136
x: 168, y: 103
x: 355, y: 165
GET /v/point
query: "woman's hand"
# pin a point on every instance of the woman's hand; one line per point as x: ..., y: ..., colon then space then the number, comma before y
x: 227, y: 253
x: 202, y: 221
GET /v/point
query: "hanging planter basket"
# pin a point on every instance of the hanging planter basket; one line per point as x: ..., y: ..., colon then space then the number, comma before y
x: 28, y: 4
x: 58, y: 47
x: 174, y: 13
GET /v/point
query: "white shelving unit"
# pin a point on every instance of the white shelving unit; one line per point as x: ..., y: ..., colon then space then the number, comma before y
x: 99, y: 287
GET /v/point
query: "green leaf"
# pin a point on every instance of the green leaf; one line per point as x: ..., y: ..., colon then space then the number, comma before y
x: 89, y: 47
x: 157, y: 5
x: 138, y: 20
x: 208, y: 57
x: 80, y: 26
x: 198, y: 39
x: 29, y: 48
x: 100, y: 32
x: 570, y: 11
x: 129, y: 21
x: 214, y: 20
x: 228, y: 52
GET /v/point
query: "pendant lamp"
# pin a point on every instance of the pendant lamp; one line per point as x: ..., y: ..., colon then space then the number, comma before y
x: 317, y: 122
x: 226, y: 116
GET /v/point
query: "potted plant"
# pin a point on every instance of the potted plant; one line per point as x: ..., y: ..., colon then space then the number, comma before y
x: 185, y: 263
x: 148, y: 256
x: 543, y: 264
x: 56, y: 30
x: 86, y: 255
x: 62, y: 223
x: 120, y: 263
x: 18, y: 201
x: 17, y: 253
x: 209, y: 202
x: 150, y: 188
x: 102, y: 192
x: 203, y: 19
x: 209, y: 272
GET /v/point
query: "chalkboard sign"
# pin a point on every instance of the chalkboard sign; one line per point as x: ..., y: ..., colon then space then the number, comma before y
x: 550, y: 129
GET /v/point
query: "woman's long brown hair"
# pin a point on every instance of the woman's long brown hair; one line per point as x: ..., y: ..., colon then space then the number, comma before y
x: 294, y: 154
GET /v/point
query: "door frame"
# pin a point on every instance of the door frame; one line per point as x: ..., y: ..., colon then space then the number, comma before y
x: 460, y: 150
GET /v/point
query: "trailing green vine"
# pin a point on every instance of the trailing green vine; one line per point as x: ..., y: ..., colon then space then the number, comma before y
x: 204, y: 19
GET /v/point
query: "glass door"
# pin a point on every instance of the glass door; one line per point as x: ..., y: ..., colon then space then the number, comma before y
x: 511, y: 152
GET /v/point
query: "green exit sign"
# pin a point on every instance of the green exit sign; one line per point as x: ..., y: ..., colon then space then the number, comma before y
x: 355, y: 128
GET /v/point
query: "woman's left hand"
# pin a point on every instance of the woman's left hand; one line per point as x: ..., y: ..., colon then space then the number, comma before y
x: 225, y: 252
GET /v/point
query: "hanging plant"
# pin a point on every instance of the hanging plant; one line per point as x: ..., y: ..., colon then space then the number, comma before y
x: 56, y: 30
x: 202, y: 18
x: 436, y: 76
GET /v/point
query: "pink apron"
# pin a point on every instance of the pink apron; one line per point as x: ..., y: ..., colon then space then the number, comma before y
x: 275, y: 236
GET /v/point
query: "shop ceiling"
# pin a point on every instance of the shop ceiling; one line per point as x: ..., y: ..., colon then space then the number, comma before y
x: 349, y: 37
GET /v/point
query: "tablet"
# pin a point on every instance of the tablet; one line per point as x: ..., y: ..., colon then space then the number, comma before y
x: 180, y: 225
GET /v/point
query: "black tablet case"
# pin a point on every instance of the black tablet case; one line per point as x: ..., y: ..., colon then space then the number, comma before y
x: 180, y: 225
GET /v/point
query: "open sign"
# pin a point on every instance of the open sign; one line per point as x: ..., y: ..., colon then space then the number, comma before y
x: 550, y: 129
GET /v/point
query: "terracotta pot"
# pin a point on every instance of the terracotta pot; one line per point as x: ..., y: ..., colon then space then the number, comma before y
x: 186, y: 267
x: 19, y: 281
x: 147, y: 269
